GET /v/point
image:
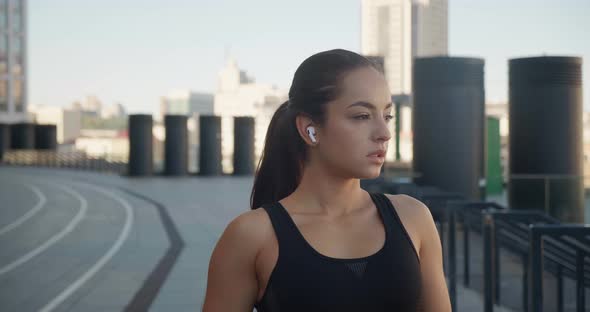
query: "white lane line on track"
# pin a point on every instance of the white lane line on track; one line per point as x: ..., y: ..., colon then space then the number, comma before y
x: 30, y: 213
x: 54, y: 239
x: 104, y: 259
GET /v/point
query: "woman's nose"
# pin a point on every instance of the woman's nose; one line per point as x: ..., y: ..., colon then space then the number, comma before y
x: 383, y: 132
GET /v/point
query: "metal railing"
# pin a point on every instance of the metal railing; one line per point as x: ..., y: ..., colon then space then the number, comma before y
x: 511, y: 231
x: 501, y: 229
x: 508, y: 229
x: 572, y: 259
x: 469, y: 213
x: 65, y: 159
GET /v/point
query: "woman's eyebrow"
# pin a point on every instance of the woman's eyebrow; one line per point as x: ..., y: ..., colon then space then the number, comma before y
x: 368, y: 105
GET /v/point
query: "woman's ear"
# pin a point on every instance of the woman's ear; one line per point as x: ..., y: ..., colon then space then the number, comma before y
x: 307, y: 129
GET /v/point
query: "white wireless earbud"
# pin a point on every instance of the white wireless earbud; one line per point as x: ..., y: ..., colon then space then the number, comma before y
x: 311, y: 133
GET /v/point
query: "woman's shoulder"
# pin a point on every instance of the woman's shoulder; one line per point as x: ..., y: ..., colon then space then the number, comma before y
x: 410, y: 207
x: 415, y: 216
x: 251, y: 224
x: 250, y: 230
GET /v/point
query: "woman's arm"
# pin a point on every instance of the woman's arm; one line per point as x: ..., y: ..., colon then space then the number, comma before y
x: 232, y: 285
x: 435, y: 295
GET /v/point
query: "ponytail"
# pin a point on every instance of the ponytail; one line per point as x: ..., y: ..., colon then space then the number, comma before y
x: 280, y: 165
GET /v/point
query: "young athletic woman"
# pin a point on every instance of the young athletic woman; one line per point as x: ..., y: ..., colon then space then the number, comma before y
x: 313, y: 239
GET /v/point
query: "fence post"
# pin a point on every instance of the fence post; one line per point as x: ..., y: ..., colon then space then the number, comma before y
x: 581, y: 301
x: 525, y: 282
x: 559, y: 289
x: 496, y: 254
x: 466, y: 253
x: 536, y: 267
x: 488, y: 261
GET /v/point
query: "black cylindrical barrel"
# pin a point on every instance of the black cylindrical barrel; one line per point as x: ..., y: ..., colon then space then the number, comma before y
x: 545, y: 141
x: 4, y: 139
x: 243, y: 157
x: 448, y: 124
x: 46, y: 137
x: 176, y: 145
x: 140, y: 145
x: 23, y: 135
x: 210, y: 145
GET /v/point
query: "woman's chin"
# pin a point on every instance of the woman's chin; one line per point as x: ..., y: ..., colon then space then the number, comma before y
x: 371, y: 173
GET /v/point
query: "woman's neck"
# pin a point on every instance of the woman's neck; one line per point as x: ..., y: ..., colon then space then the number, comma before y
x: 323, y: 193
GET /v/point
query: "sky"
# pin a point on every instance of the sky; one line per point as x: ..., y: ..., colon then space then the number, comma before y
x: 134, y: 51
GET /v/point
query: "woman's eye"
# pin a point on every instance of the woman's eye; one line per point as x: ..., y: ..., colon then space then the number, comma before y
x: 362, y: 117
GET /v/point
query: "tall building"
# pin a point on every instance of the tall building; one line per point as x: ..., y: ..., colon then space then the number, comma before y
x: 387, y: 32
x: 13, y: 61
x: 430, y: 28
x: 399, y: 30
x: 238, y: 95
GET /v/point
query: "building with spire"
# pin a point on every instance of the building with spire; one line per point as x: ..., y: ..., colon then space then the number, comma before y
x: 238, y: 94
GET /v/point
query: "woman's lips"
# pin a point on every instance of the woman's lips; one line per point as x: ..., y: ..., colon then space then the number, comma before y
x: 376, y: 158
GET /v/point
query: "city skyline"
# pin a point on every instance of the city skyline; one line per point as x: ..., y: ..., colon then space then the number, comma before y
x: 116, y: 52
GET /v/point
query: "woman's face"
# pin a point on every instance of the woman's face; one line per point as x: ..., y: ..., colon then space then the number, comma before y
x: 357, y: 125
